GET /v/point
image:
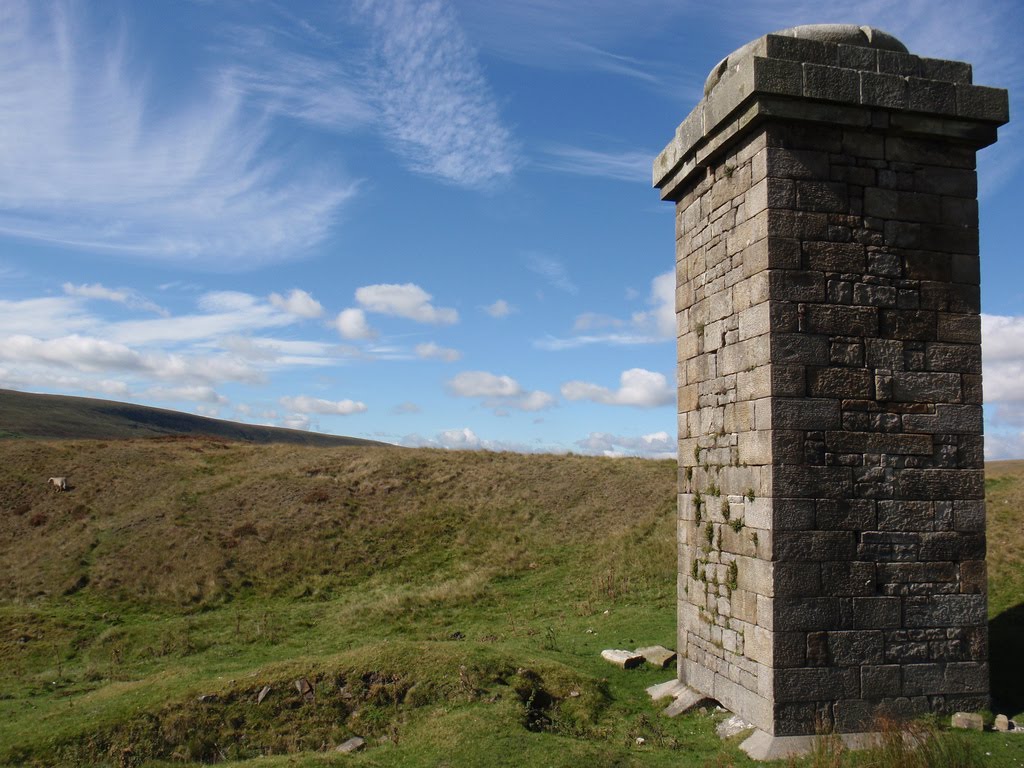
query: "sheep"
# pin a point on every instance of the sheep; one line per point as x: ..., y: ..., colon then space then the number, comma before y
x: 59, y: 483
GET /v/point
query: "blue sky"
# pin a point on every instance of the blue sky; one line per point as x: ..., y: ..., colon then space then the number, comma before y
x: 429, y: 223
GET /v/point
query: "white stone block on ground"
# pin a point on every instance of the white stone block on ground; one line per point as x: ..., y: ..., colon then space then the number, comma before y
x: 685, y: 700
x: 732, y: 726
x: 621, y: 658
x: 664, y: 690
x: 354, y: 744
x: 1002, y: 723
x: 657, y: 655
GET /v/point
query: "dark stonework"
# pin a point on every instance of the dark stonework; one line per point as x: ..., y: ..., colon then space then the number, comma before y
x: 831, y: 500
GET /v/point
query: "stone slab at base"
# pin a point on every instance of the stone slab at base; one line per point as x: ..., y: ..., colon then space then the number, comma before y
x: 762, y: 746
x: 664, y: 690
x: 684, y: 701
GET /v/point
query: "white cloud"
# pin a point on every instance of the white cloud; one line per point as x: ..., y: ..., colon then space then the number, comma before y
x: 431, y: 351
x: 296, y: 421
x: 1003, y: 358
x: 222, y: 313
x: 500, y: 308
x: 298, y: 302
x: 351, y: 324
x: 432, y: 95
x: 465, y: 439
x: 638, y: 387
x: 197, y: 393
x: 663, y: 300
x: 305, y: 405
x: 627, y: 165
x: 405, y: 408
x: 657, y: 445
x: 87, y: 162
x: 93, y: 355
x: 553, y: 271
x: 302, y: 86
x: 533, y: 401
x: 648, y: 327
x: 407, y: 300
x: 593, y: 320
x: 556, y: 344
x: 57, y: 315
x: 1004, y: 445
x: 498, y: 392
x: 1002, y: 339
x: 483, y: 384
x: 125, y: 296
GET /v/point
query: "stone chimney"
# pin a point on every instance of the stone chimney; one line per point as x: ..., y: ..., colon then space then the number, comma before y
x: 831, y: 478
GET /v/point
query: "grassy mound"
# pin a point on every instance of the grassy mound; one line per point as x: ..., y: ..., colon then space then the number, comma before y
x: 449, y: 608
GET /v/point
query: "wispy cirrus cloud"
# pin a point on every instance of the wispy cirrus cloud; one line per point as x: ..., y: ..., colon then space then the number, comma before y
x: 126, y: 296
x: 86, y: 162
x: 310, y: 87
x: 553, y: 271
x: 626, y: 165
x: 432, y: 96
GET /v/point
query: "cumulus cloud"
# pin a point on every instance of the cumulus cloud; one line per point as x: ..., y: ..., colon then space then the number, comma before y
x: 193, y: 394
x: 465, y: 439
x: 298, y: 302
x: 1003, y: 359
x: 499, y: 393
x: 305, y: 405
x: 296, y: 421
x: 651, y: 326
x: 662, y: 299
x: 431, y: 351
x: 351, y: 324
x: 407, y: 300
x: 483, y: 384
x: 638, y: 387
x: 656, y: 445
x: 94, y: 355
x: 498, y: 309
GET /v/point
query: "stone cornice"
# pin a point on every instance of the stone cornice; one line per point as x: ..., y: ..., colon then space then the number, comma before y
x: 803, y: 74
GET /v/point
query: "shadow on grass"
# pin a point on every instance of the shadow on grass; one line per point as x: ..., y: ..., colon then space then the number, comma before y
x: 1006, y: 656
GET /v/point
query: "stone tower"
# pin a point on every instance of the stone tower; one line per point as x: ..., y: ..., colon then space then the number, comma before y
x: 831, y: 490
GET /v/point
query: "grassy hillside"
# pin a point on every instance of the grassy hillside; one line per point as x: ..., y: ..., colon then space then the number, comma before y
x: 448, y: 607
x: 25, y: 414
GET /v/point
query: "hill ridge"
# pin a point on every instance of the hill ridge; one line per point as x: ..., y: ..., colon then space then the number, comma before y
x: 62, y: 417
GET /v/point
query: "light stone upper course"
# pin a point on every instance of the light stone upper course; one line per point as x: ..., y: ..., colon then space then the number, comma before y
x: 831, y: 73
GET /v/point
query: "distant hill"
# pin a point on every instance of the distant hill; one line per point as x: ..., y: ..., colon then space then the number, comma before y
x: 24, y: 414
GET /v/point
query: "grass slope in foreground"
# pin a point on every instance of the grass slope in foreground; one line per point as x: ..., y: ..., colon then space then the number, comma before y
x: 25, y: 414
x: 448, y: 607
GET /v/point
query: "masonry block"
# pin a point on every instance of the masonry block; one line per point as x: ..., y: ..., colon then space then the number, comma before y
x: 832, y: 517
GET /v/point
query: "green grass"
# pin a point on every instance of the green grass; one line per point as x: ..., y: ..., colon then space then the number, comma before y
x: 449, y: 608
